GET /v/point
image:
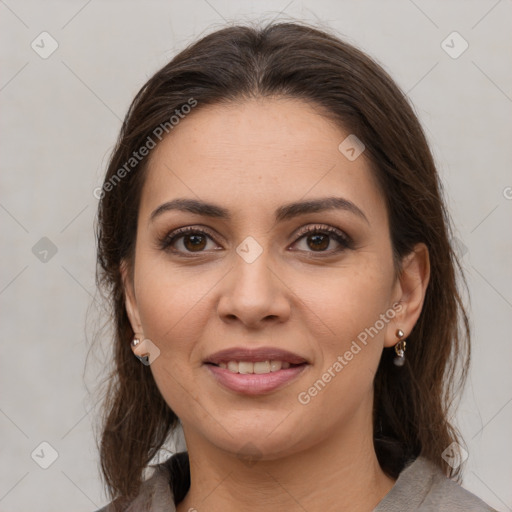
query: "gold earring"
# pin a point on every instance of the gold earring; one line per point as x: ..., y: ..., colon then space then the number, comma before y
x: 399, y: 359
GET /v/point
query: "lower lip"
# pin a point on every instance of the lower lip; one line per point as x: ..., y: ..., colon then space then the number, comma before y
x: 253, y: 383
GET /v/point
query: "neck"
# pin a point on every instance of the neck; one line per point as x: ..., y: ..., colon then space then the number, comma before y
x: 339, y: 473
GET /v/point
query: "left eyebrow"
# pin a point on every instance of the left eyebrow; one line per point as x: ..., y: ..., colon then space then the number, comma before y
x: 292, y: 210
x: 285, y: 212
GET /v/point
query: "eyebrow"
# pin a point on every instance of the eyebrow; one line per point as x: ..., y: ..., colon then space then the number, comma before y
x: 285, y: 212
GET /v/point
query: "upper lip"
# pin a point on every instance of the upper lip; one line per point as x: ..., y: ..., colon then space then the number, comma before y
x: 255, y: 354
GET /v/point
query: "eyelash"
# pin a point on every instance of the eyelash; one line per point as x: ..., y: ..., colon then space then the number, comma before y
x: 166, y: 242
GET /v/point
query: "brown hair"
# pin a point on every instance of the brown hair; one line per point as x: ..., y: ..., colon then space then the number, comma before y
x: 412, y: 403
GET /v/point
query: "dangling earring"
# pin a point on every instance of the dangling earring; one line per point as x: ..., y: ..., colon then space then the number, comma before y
x: 399, y: 359
x: 143, y: 358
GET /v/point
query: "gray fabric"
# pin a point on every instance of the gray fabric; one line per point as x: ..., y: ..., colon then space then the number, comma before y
x: 420, y: 487
x: 155, y: 494
x: 423, y: 487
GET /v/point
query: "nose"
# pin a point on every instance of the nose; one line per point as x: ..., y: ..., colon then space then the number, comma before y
x: 254, y: 294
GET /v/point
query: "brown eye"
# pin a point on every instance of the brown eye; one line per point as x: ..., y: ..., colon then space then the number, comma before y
x: 318, y: 242
x: 323, y: 239
x: 188, y: 240
x: 195, y: 242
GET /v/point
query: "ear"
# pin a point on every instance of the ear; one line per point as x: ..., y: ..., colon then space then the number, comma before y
x: 129, y: 299
x: 409, y: 292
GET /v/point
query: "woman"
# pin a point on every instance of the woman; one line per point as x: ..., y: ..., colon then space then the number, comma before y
x: 272, y: 235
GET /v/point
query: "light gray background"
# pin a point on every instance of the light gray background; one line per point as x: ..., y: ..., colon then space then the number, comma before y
x: 60, y: 118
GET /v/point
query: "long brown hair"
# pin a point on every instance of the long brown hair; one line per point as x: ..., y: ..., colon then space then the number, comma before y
x: 412, y: 403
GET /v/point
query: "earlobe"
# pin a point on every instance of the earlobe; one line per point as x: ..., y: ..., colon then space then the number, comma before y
x: 410, y: 292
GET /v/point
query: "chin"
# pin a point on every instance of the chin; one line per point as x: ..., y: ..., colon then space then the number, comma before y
x: 254, y: 442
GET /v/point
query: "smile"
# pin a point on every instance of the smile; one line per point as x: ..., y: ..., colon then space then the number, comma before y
x: 243, y: 376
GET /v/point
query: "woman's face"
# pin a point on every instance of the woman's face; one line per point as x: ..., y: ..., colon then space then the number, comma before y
x: 264, y: 266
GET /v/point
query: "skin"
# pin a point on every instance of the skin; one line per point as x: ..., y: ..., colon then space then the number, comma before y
x: 251, y: 158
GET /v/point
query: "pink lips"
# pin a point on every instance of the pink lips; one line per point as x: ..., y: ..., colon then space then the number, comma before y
x: 252, y: 383
x: 255, y: 384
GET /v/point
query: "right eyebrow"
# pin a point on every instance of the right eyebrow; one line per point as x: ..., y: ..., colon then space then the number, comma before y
x: 192, y: 206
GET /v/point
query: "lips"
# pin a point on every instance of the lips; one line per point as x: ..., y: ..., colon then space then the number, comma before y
x: 253, y: 384
x: 255, y: 355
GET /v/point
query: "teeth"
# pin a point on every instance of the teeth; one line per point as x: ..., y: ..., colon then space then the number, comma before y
x: 245, y: 367
x: 259, y: 367
x: 275, y: 366
x: 262, y: 367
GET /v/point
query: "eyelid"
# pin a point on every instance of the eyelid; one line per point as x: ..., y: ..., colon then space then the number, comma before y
x: 304, y: 230
x: 191, y: 229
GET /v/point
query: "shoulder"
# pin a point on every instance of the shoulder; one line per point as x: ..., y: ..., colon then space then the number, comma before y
x: 445, y: 494
x: 423, y: 487
x: 155, y: 494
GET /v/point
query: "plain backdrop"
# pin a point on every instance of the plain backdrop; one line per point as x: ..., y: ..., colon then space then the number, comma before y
x: 60, y: 116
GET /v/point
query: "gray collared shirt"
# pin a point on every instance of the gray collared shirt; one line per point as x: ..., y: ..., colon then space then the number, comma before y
x: 421, y: 487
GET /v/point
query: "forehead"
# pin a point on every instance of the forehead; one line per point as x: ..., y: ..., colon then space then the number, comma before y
x: 255, y: 155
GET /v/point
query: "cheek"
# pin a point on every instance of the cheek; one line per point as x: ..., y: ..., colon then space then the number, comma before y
x: 344, y: 302
x: 171, y: 304
x: 346, y: 315
x: 172, y: 312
